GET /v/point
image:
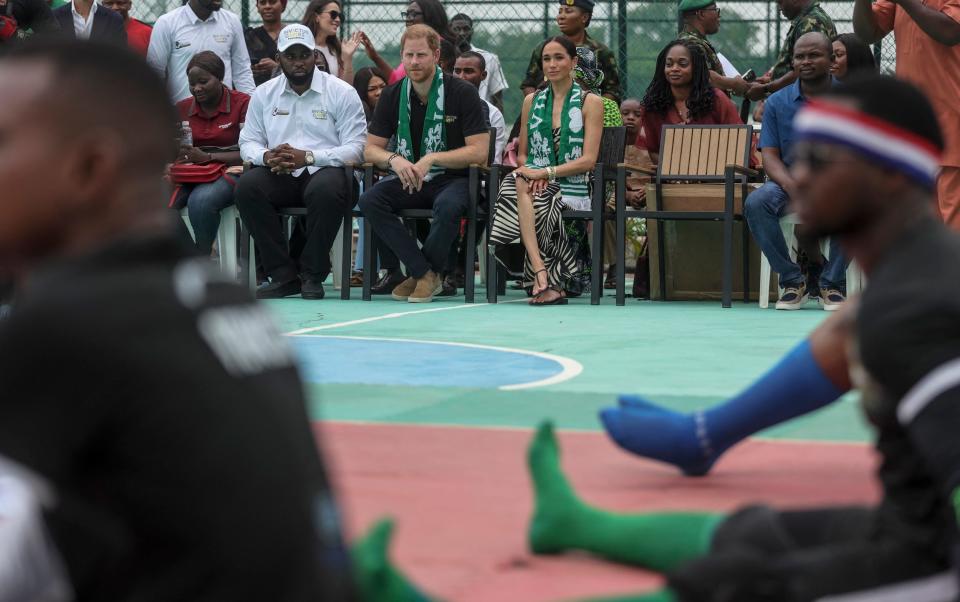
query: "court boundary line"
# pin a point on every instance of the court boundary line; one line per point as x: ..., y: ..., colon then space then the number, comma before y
x: 572, y: 431
x: 570, y: 368
x: 390, y: 316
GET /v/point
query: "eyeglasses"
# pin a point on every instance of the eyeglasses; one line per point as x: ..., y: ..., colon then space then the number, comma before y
x: 711, y: 8
x: 410, y: 15
x: 334, y: 14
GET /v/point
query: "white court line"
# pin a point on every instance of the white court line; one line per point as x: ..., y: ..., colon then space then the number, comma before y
x: 569, y: 368
x: 303, y: 331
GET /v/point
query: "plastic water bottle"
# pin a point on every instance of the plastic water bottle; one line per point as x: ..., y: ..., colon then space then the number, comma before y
x: 186, y: 138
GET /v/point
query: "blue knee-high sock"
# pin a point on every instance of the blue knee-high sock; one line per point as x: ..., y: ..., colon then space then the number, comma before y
x: 693, y: 442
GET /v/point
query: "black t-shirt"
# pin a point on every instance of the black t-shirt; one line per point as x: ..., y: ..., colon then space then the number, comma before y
x: 161, y: 406
x: 463, y: 109
x: 908, y: 327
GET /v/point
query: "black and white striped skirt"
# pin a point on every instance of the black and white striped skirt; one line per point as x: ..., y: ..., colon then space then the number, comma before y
x: 555, y: 250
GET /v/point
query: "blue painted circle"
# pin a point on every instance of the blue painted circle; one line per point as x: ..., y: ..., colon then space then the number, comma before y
x: 386, y: 362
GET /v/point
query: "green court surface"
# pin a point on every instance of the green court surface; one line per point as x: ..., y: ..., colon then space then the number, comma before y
x: 684, y: 355
x: 423, y: 412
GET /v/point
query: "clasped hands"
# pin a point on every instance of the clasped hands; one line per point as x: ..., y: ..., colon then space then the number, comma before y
x: 284, y: 159
x: 412, y: 175
x: 535, y: 179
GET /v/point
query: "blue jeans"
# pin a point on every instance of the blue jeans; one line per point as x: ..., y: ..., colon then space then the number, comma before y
x: 763, y: 209
x: 204, y: 204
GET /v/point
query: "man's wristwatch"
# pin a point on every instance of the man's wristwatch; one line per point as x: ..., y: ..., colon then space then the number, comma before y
x: 308, y: 157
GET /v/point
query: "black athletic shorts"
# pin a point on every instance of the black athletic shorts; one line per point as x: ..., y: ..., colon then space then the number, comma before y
x: 831, y: 555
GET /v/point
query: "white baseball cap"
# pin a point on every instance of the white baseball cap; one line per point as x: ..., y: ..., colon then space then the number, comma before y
x: 291, y: 35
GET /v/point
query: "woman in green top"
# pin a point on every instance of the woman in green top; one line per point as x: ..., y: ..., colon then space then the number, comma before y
x: 560, y: 132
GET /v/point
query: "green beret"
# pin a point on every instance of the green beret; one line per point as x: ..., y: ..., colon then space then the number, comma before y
x: 586, y: 5
x: 688, y: 5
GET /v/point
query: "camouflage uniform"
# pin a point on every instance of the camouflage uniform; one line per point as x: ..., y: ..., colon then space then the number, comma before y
x: 811, y: 19
x: 608, y: 64
x: 709, y: 52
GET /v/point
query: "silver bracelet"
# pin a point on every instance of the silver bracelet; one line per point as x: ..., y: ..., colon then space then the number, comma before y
x: 551, y: 173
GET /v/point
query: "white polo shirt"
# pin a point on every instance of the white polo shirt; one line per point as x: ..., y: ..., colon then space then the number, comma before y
x: 81, y: 27
x: 496, y: 121
x: 327, y: 120
x: 180, y: 33
x: 495, y: 80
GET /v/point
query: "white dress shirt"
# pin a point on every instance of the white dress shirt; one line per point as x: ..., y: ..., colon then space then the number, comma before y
x: 82, y: 27
x: 180, y: 34
x: 495, y: 80
x: 496, y: 121
x: 327, y: 120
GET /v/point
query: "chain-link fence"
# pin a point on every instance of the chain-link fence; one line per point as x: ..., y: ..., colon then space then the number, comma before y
x: 750, y: 34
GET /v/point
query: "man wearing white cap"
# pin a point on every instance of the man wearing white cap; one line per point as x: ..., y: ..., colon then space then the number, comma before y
x: 300, y: 130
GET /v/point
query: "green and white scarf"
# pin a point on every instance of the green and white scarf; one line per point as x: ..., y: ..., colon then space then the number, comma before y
x: 434, y: 136
x: 540, y: 151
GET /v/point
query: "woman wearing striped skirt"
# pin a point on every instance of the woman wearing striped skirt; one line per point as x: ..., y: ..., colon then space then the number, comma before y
x: 560, y: 132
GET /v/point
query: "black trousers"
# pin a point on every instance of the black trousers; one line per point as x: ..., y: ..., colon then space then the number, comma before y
x: 261, y: 192
x: 448, y: 196
x: 763, y: 555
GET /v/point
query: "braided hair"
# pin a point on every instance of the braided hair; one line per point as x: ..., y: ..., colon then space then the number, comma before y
x: 659, y: 96
x: 210, y: 62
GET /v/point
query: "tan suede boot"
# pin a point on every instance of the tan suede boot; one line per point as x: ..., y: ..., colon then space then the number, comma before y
x: 403, y: 290
x: 427, y: 287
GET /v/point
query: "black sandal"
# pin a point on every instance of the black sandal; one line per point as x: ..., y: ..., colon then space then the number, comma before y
x: 561, y: 300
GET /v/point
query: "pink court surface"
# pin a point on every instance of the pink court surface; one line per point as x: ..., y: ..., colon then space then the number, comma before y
x: 424, y: 414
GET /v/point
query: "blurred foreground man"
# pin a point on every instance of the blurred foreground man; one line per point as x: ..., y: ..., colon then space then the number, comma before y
x: 152, y: 411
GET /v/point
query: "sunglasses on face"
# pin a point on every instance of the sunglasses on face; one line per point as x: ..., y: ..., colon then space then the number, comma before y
x: 334, y: 14
x: 410, y: 15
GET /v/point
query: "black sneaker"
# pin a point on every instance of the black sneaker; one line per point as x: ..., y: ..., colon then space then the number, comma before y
x: 278, y: 290
x: 312, y: 289
x: 793, y: 297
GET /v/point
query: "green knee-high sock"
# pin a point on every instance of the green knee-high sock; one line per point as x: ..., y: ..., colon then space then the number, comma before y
x: 663, y: 595
x: 375, y: 576
x: 561, y: 521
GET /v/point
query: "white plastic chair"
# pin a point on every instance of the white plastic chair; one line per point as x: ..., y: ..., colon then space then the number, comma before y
x: 226, y: 238
x: 855, y: 278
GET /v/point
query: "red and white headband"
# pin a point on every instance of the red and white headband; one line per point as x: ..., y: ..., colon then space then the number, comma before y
x: 879, y: 140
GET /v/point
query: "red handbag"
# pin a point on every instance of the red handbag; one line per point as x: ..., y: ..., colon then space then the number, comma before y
x: 196, y: 173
